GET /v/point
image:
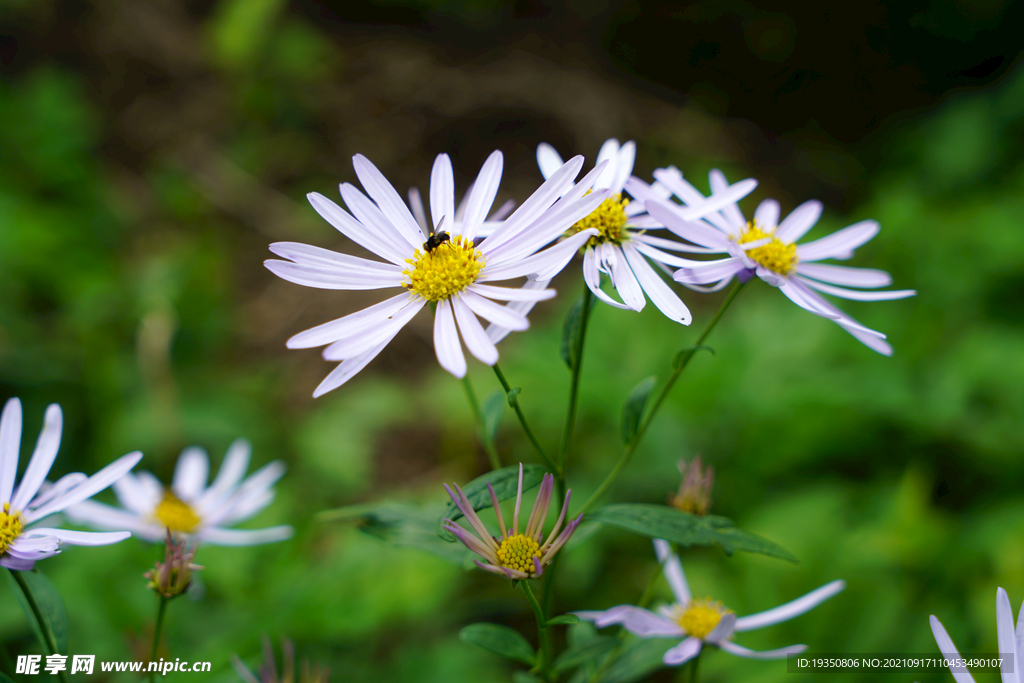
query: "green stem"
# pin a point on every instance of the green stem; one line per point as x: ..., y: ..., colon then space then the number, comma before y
x: 49, y: 641
x: 514, y: 402
x: 574, y: 387
x: 543, y: 630
x: 485, y: 438
x: 156, y: 634
x: 695, y: 669
x: 680, y: 364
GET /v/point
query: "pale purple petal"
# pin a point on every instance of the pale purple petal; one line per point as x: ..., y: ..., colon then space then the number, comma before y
x: 326, y: 260
x: 332, y: 278
x: 236, y: 537
x: 609, y: 153
x: 394, y: 251
x: 88, y: 488
x: 839, y: 243
x: 446, y: 340
x: 858, y: 295
x: 367, y: 337
x: 624, y: 167
x: 623, y: 279
x: 388, y: 199
x: 636, y: 620
x: 845, y: 275
x: 781, y: 653
x: 767, y: 215
x: 348, y: 369
x: 719, y: 186
x: 496, y: 332
x: 80, y: 537
x: 190, y: 474
x: 473, y: 333
x: 672, y: 568
x: 10, y: 447
x: 495, y: 313
x: 949, y: 651
x: 232, y: 470
x: 42, y: 459
x: 723, y: 629
x: 548, y: 160
x: 692, y: 231
x: 661, y: 294
x: 543, y: 265
x: 709, y: 271
x: 103, y: 516
x: 528, y: 292
x: 442, y: 190
x: 416, y: 204
x: 1005, y: 636
x: 592, y: 276
x: 790, y: 609
x: 799, y: 221
x: 135, y: 495
x: 354, y: 323
x: 481, y: 197
x: 683, y: 652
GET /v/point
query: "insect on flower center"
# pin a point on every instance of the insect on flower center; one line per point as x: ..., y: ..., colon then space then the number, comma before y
x: 445, y: 270
x: 10, y: 527
x: 176, y: 514
x: 775, y: 255
x: 609, y: 218
x: 518, y: 552
x: 700, y: 617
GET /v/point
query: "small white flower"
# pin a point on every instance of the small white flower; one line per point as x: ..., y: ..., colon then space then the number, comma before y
x: 768, y: 248
x: 621, y: 248
x: 446, y: 268
x: 1010, y: 642
x: 20, y: 545
x: 189, y: 507
x: 702, y: 622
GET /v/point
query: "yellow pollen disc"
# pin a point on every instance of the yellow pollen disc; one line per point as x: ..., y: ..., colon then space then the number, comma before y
x: 448, y: 269
x: 775, y: 256
x: 518, y: 553
x: 176, y: 514
x: 609, y: 218
x: 701, y: 617
x: 10, y: 527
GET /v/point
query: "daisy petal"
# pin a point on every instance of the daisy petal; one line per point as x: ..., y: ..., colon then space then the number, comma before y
x: 446, y: 341
x: 949, y: 651
x: 740, y: 651
x: 790, y: 609
x: 86, y: 489
x: 356, y: 231
x: 857, y: 295
x: 840, y: 243
x: 634, y: 619
x: 190, y: 474
x: 495, y: 313
x: 42, y: 458
x: 81, y: 537
x: 767, y: 215
x: 683, y: 652
x: 609, y: 153
x: 623, y: 278
x: 673, y: 570
x: 387, y: 198
x: 799, y: 221
x: 348, y: 369
x: 661, y: 295
x: 218, y: 536
x: 524, y: 293
x: 592, y: 276
x: 1005, y: 635
x: 10, y: 445
x: 332, y: 278
x: 481, y: 196
x: 845, y: 275
x: 543, y: 265
x: 719, y: 185
x: 523, y: 307
x: 352, y: 324
x: 473, y: 333
x: 103, y: 516
x: 548, y: 159
x: 442, y: 190
x: 697, y: 233
x: 627, y: 157
x: 369, y: 337
x: 709, y: 271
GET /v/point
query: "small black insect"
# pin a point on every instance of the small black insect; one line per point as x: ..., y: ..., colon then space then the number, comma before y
x: 436, y: 240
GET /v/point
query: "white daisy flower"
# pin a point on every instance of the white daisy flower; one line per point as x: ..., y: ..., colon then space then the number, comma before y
x: 702, y: 622
x: 768, y: 248
x: 446, y: 268
x: 1010, y: 642
x: 20, y: 545
x: 621, y: 248
x: 189, y: 507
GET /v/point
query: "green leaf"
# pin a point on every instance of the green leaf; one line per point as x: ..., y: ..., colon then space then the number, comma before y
x: 494, y: 410
x: 505, y: 483
x: 633, y: 408
x: 687, y: 352
x: 640, y: 659
x: 587, y: 651
x: 511, y: 395
x: 682, y: 528
x: 51, y: 607
x: 401, y: 525
x: 571, y: 330
x: 524, y: 677
x: 563, y: 619
x: 500, y: 640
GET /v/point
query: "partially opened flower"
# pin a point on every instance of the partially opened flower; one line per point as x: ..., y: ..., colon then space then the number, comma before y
x: 621, y: 248
x: 446, y: 268
x: 189, y: 507
x: 766, y: 247
x: 21, y: 546
x: 703, y: 622
x: 1010, y: 642
x: 694, y: 495
x: 513, y: 554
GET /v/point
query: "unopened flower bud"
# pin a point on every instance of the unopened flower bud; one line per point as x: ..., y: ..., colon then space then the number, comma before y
x: 173, y: 576
x: 694, y: 494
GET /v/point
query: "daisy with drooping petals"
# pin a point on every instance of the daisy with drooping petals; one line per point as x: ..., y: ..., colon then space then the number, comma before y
x: 445, y: 268
x: 189, y: 507
x: 768, y: 248
x: 703, y: 622
x: 621, y: 248
x: 20, y: 545
x: 513, y: 554
x: 1010, y: 642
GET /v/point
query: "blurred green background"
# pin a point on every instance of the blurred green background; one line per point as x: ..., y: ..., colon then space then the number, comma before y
x: 149, y: 153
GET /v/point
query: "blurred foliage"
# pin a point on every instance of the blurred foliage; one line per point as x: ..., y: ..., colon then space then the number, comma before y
x: 148, y: 162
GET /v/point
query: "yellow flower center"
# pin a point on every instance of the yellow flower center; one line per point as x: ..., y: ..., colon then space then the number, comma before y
x: 609, y: 218
x: 445, y: 270
x: 775, y: 256
x: 701, y: 617
x: 518, y: 552
x: 176, y: 514
x: 10, y: 527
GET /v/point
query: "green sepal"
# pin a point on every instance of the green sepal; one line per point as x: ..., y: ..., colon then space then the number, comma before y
x: 633, y: 408
x: 567, y: 619
x: 685, y: 529
x: 500, y: 640
x: 505, y: 483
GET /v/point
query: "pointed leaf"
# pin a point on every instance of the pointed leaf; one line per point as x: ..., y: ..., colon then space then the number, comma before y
x: 500, y: 640
x: 567, y: 619
x: 588, y: 651
x: 633, y: 408
x: 571, y: 330
x: 402, y: 525
x: 638, y: 660
x: 687, y: 353
x: 54, y: 614
x: 682, y: 528
x: 494, y: 410
x: 505, y: 483
x: 512, y: 393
